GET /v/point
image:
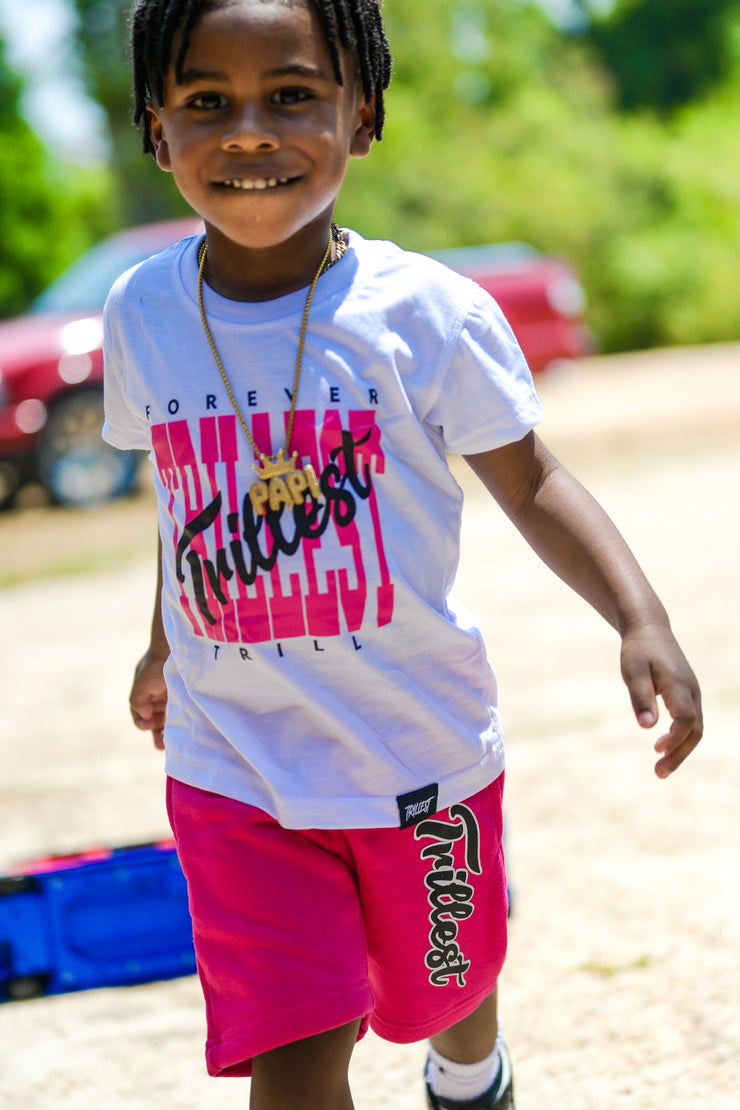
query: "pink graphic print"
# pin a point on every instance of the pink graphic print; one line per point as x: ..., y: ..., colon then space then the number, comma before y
x: 252, y: 578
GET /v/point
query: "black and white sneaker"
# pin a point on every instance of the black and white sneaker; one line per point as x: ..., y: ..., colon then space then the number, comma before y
x: 499, y: 1096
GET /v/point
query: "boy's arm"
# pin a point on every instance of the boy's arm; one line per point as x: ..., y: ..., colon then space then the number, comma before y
x: 148, y: 698
x: 573, y: 535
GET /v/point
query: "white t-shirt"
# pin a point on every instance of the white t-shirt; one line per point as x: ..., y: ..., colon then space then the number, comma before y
x: 319, y: 667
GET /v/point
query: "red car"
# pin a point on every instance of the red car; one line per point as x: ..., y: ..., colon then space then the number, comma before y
x: 539, y: 295
x: 51, y: 363
x: 51, y: 373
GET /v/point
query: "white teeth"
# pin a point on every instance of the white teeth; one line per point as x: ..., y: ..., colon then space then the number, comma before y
x: 257, y: 183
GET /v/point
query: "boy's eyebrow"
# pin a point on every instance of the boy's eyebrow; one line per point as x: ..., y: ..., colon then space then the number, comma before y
x: 193, y: 76
x: 298, y: 70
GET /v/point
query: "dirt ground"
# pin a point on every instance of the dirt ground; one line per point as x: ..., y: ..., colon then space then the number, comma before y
x: 622, y: 987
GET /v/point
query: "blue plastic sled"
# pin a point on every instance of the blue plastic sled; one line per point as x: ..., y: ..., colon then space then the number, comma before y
x: 101, y: 919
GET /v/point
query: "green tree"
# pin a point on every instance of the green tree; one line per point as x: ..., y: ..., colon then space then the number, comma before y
x: 144, y: 193
x: 665, y: 53
x: 47, y: 214
x: 487, y: 102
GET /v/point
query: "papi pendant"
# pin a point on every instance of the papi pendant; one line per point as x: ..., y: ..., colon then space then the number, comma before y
x: 280, y: 483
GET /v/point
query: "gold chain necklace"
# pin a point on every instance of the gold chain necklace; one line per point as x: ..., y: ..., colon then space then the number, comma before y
x: 279, y: 482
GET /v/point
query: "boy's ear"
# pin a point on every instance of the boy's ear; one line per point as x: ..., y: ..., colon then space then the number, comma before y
x: 159, y: 142
x: 364, y: 134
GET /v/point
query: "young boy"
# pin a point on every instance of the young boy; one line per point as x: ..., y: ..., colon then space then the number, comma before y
x: 334, y: 750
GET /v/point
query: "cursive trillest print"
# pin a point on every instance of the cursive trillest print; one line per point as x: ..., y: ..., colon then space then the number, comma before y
x: 450, y: 895
x: 251, y: 577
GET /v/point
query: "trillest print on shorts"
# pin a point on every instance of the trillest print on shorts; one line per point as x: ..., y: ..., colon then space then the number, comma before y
x: 449, y: 893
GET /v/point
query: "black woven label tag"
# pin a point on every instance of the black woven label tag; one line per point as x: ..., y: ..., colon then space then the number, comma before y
x: 417, y: 804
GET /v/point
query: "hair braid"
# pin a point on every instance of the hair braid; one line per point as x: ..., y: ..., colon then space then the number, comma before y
x: 158, y: 25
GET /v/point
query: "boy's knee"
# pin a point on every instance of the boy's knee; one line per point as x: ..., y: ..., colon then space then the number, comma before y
x: 473, y: 1037
x: 310, y: 1072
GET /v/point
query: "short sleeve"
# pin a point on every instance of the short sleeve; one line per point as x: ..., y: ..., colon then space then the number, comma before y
x: 122, y: 427
x: 486, y: 398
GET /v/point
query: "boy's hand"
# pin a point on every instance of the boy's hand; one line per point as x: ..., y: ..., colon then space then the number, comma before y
x: 148, y: 698
x: 653, y: 665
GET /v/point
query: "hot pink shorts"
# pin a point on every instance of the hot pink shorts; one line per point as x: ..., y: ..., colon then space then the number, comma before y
x: 298, y: 932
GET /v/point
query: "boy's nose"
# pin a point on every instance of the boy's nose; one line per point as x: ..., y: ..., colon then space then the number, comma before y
x: 249, y: 129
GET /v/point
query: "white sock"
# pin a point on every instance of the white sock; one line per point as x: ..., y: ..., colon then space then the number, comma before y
x: 462, y: 1082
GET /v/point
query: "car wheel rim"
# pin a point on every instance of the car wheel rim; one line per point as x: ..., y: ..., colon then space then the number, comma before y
x: 75, y: 465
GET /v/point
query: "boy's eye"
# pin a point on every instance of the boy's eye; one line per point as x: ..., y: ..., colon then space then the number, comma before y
x: 290, y: 96
x: 208, y: 101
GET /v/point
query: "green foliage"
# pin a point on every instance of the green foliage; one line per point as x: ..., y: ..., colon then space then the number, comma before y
x: 648, y: 210
x: 47, y: 215
x: 470, y: 139
x: 664, y: 53
x: 675, y: 270
x: 143, y: 193
x: 500, y: 126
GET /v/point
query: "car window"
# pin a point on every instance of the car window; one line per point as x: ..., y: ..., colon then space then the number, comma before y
x: 86, y: 283
x: 486, y: 258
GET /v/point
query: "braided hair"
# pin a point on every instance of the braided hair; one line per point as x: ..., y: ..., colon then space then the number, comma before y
x: 157, y: 25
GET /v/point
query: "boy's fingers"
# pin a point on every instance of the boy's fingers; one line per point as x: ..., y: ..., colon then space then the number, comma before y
x: 148, y: 699
x: 680, y: 691
x: 675, y: 756
x: 641, y: 689
x: 683, y: 702
x: 153, y: 724
x: 150, y: 719
x: 149, y: 715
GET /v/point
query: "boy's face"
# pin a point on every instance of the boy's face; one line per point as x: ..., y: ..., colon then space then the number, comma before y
x: 258, y: 132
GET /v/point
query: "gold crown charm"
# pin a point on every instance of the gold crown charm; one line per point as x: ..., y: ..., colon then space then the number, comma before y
x: 273, y: 468
x: 271, y: 491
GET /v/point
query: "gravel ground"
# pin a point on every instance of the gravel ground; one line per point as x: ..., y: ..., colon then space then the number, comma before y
x: 621, y: 988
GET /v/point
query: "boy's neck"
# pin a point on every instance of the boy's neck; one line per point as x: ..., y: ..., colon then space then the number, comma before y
x: 247, y: 274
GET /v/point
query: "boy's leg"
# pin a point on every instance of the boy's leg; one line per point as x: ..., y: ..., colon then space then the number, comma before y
x: 468, y: 1067
x: 306, y: 1074
x: 471, y: 1039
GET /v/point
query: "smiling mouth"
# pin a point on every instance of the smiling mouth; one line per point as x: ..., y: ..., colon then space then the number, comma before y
x: 256, y: 183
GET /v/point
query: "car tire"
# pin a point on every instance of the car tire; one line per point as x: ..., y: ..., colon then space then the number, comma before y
x: 75, y: 465
x: 26, y: 986
x: 10, y: 483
